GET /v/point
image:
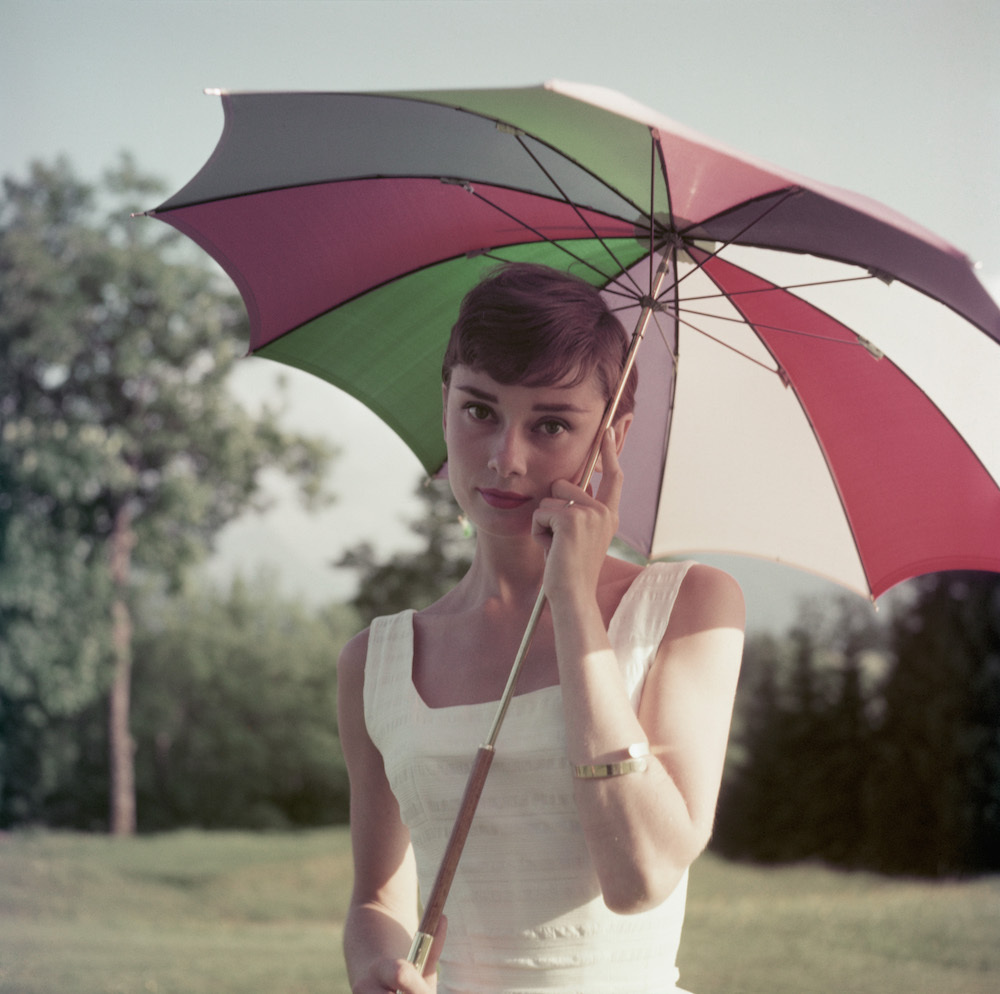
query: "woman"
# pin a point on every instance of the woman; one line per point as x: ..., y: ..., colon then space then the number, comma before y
x: 607, y: 769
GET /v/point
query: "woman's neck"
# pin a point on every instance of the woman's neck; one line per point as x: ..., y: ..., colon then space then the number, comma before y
x: 505, y: 571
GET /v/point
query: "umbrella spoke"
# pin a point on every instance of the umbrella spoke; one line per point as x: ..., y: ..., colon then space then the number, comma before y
x: 788, y: 194
x: 562, y: 193
x: 664, y: 169
x: 560, y: 246
x: 664, y: 337
x: 629, y: 298
x: 727, y: 345
x: 757, y: 327
x: 769, y: 327
x: 782, y: 287
x: 654, y: 145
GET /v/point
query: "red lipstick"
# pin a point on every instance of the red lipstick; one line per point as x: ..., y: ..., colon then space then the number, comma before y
x: 504, y: 500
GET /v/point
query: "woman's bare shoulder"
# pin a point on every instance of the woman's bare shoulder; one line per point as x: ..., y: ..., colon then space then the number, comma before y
x: 708, y: 598
x: 351, y: 663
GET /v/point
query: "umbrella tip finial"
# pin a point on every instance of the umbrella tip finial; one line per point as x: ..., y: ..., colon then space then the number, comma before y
x: 882, y: 276
x: 870, y: 347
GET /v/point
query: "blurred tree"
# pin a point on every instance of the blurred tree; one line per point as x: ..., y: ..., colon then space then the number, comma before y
x: 54, y: 651
x: 871, y: 743
x: 755, y: 816
x: 935, y: 795
x: 121, y: 446
x: 796, y: 781
x: 235, y: 710
x: 413, y: 579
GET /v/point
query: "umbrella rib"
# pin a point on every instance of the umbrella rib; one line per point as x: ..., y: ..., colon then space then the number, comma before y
x: 562, y: 193
x: 790, y: 192
x: 659, y: 153
x: 788, y: 286
x: 732, y: 348
x: 767, y: 327
x: 630, y: 299
x: 652, y: 202
x: 545, y: 238
x: 663, y: 336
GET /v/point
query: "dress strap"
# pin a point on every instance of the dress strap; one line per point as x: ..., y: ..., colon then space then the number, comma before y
x: 638, y: 625
x: 646, y: 607
x: 388, y: 670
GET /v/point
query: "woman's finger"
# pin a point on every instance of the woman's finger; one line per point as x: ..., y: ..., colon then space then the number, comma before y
x: 610, y: 490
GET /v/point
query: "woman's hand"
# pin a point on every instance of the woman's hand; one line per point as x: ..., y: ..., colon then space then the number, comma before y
x: 575, y: 528
x: 395, y: 975
x: 401, y: 976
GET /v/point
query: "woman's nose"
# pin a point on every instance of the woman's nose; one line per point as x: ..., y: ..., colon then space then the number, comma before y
x: 509, y: 457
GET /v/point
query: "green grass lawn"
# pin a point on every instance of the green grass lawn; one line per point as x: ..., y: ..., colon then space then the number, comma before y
x: 192, y: 913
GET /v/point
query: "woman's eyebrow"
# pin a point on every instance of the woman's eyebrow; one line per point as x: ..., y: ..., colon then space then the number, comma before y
x: 559, y: 408
x: 477, y: 393
x: 547, y: 408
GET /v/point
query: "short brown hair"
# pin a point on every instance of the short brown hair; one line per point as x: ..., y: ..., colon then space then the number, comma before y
x: 537, y: 326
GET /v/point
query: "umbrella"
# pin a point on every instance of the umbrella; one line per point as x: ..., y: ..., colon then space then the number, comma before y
x: 817, y: 374
x: 821, y: 386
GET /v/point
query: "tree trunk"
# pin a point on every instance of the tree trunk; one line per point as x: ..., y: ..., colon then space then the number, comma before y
x: 121, y: 746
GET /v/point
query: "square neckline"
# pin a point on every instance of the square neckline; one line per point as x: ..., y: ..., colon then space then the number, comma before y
x: 523, y: 695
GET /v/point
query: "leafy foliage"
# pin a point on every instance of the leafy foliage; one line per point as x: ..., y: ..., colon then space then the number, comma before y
x: 235, y: 711
x: 115, y: 358
x: 118, y: 436
x: 939, y: 745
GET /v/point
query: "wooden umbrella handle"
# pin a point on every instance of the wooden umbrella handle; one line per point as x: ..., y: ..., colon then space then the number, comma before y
x: 434, y: 909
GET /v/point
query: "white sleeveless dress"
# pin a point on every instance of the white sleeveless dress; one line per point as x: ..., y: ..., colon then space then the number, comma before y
x: 525, y: 913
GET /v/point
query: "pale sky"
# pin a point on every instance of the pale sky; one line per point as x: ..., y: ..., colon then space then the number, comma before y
x: 897, y: 99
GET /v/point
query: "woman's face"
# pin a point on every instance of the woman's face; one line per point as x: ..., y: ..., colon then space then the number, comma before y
x: 508, y: 443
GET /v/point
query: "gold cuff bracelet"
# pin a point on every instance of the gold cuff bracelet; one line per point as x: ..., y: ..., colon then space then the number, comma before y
x: 637, y: 762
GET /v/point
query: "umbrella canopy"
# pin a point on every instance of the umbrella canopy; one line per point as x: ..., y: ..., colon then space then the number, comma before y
x: 819, y: 383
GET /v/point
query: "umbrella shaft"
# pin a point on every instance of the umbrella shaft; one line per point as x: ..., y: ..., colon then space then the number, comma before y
x: 449, y: 864
x: 433, y: 910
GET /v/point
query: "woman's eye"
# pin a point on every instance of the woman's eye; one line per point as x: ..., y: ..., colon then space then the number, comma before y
x: 478, y: 412
x: 552, y: 427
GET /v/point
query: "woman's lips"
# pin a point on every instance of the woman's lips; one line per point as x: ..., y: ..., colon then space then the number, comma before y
x: 504, y: 499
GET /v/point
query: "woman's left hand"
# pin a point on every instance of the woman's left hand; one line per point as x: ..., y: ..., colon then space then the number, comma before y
x: 575, y: 527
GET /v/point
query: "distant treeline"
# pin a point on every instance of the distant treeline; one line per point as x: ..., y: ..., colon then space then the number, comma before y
x: 873, y: 745
x: 858, y: 742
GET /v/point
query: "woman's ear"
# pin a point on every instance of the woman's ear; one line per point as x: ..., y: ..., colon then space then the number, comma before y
x: 621, y: 427
x: 444, y: 408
